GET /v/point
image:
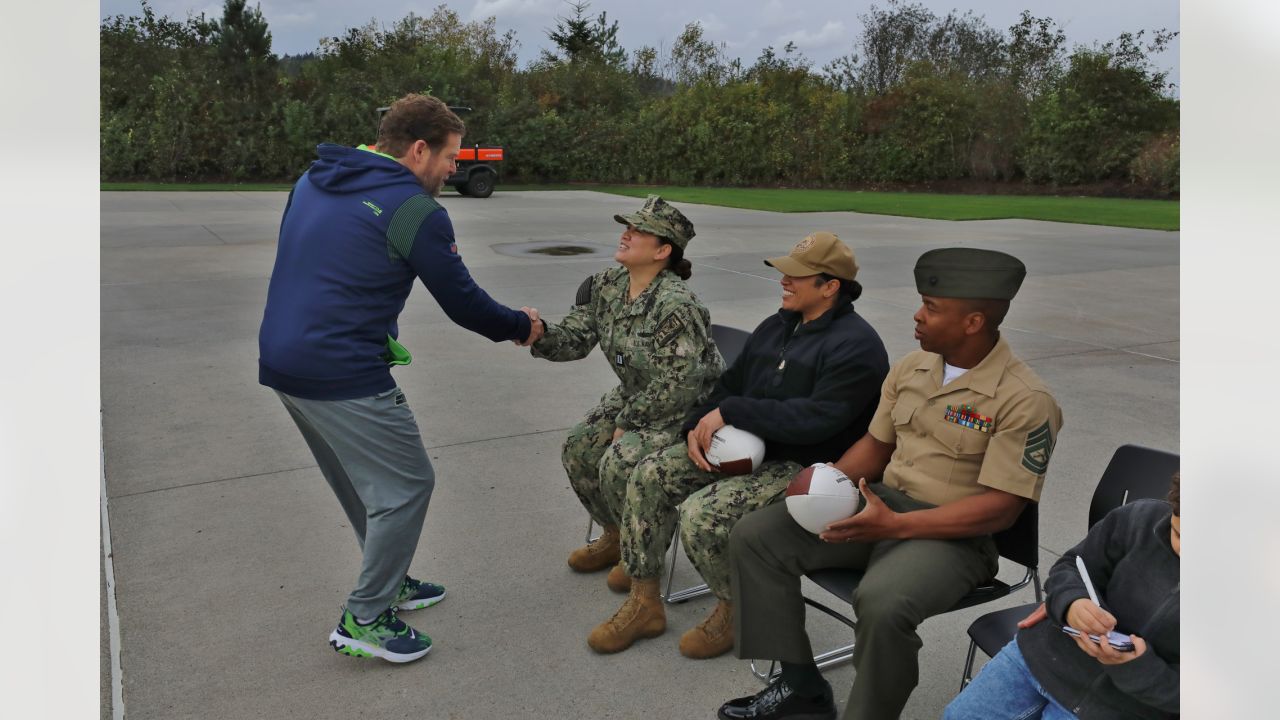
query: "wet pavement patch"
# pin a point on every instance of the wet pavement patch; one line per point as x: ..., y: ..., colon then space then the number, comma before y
x: 554, y: 248
x: 563, y: 250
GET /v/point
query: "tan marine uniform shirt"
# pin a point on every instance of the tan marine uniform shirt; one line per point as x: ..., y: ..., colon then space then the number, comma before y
x: 994, y: 426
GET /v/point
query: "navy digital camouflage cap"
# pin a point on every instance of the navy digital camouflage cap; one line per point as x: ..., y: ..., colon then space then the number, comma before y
x: 661, y: 219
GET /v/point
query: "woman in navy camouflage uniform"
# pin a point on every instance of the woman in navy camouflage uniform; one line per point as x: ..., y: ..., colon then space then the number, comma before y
x: 657, y: 338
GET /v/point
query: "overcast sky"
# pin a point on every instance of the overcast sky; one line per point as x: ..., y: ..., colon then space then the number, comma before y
x: 822, y: 29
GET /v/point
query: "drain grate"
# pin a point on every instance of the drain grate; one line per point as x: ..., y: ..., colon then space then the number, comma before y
x: 554, y: 248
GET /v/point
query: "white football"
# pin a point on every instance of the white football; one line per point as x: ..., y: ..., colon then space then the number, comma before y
x: 820, y: 495
x: 734, y: 451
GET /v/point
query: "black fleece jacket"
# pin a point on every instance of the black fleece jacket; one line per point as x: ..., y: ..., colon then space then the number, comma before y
x: 809, y: 390
x: 1136, y: 573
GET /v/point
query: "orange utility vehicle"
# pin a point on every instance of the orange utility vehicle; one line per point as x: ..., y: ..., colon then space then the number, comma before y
x: 477, y: 170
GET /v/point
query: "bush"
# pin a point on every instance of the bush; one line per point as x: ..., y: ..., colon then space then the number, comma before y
x: 940, y: 98
x: 1157, y: 166
x: 923, y: 129
x: 1094, y: 121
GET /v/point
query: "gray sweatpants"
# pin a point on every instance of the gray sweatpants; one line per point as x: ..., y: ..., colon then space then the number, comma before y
x: 371, y: 452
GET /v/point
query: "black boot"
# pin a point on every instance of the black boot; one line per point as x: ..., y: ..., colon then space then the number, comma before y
x: 779, y: 702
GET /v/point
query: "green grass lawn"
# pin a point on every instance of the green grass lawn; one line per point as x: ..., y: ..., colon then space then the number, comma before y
x: 1117, y: 212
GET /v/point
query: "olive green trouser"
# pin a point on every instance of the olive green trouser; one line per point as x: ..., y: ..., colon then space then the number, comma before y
x: 904, y: 582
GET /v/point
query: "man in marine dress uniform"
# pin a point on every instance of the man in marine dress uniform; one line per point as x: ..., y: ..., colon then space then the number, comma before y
x: 960, y: 442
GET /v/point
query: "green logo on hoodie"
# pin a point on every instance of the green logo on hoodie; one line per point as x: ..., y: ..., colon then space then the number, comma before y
x: 376, y: 210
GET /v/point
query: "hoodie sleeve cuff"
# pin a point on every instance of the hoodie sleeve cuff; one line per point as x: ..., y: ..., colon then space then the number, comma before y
x: 1060, y: 602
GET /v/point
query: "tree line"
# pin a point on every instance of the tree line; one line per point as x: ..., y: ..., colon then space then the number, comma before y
x: 922, y: 99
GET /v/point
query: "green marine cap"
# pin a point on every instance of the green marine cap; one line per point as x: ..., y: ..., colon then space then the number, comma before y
x: 969, y: 273
x: 659, y: 218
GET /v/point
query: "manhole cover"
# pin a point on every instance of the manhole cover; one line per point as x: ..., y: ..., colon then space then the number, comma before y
x: 554, y: 248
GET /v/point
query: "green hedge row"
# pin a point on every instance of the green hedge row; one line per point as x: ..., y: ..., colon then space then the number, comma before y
x: 207, y: 100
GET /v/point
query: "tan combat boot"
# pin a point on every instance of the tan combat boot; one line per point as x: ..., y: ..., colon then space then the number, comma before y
x: 641, y: 616
x: 713, y: 637
x: 619, y: 581
x: 598, y: 554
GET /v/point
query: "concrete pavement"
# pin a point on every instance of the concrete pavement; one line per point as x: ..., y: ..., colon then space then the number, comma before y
x: 232, y: 556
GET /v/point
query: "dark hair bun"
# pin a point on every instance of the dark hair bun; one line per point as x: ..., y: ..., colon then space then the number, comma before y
x: 684, y: 269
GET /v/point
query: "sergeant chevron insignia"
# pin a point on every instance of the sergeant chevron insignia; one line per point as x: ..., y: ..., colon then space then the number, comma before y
x: 1035, y: 456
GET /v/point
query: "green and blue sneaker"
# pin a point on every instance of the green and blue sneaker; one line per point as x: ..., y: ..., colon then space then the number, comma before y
x: 416, y: 594
x: 387, y: 637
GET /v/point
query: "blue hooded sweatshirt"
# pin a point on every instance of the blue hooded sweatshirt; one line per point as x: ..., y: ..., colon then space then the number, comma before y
x: 356, y: 231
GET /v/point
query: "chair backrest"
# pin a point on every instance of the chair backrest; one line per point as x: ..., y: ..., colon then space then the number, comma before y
x: 730, y: 341
x: 1021, y: 541
x: 1135, y: 472
x: 582, y: 295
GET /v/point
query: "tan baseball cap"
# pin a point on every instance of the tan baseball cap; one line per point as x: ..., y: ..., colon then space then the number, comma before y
x: 821, y: 252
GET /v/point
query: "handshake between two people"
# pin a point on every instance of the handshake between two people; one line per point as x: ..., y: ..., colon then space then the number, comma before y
x: 537, y: 327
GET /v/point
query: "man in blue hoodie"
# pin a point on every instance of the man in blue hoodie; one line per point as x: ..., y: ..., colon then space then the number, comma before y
x: 359, y: 226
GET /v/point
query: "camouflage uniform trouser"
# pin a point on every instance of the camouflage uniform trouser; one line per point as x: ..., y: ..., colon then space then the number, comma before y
x: 712, y: 504
x: 598, y: 468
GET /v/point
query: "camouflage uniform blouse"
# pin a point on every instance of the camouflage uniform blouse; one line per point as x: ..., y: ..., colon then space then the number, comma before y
x: 659, y: 345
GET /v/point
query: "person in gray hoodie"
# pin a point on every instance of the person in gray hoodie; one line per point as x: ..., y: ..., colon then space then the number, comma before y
x: 1132, y: 556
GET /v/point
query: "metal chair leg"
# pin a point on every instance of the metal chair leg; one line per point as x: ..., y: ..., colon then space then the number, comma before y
x: 774, y: 671
x: 688, y: 593
x: 839, y: 655
x: 671, y: 568
x: 973, y: 646
x: 968, y: 666
x: 824, y: 660
x: 678, y: 596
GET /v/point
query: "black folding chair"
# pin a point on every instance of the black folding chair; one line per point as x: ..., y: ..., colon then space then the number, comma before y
x: 1134, y: 473
x: 1018, y: 543
x: 730, y: 341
